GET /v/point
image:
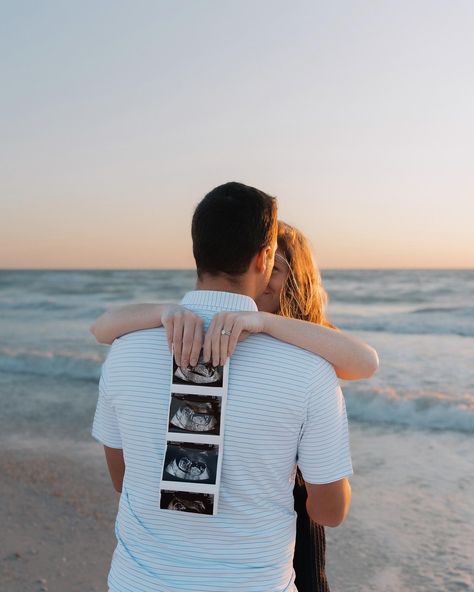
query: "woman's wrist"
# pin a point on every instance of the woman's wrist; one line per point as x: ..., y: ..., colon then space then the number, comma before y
x: 268, y: 320
x: 166, y: 310
x: 159, y: 309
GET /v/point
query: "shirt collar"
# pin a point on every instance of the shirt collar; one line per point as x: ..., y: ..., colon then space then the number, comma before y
x: 218, y: 300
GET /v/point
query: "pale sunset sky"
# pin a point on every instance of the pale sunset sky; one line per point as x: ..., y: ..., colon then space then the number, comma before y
x: 117, y: 117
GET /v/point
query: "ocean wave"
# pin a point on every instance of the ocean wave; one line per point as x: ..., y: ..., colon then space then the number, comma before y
x: 425, y: 321
x: 427, y: 410
x: 73, y: 365
x: 458, y: 310
x: 373, y: 404
x: 41, y: 305
x: 346, y: 296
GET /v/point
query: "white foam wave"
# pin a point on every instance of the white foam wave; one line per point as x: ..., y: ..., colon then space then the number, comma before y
x: 418, y: 322
x: 374, y: 404
x: 429, y: 410
x: 75, y: 365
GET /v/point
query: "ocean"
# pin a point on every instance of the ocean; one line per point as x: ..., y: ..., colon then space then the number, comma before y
x: 412, y: 423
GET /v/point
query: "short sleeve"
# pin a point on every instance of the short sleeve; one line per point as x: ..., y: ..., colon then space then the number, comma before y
x: 324, y: 452
x: 105, y: 428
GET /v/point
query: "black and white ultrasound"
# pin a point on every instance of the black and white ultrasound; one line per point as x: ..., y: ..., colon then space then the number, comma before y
x: 203, y: 374
x: 191, y: 463
x: 194, y: 414
x: 186, y: 501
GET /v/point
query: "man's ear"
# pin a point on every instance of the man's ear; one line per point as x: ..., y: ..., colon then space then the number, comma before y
x: 263, y: 259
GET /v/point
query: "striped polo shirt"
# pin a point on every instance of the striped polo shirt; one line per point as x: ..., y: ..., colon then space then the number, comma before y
x: 284, y: 406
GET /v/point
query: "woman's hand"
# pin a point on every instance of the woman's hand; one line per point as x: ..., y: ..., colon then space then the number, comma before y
x: 226, y: 329
x: 184, y: 332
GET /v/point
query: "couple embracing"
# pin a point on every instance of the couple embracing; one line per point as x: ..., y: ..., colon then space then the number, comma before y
x: 286, y: 459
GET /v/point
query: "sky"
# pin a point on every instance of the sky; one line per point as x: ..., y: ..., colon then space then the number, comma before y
x: 116, y: 118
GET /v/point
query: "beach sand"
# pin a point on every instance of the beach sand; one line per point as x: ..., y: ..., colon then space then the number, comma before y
x: 411, y: 525
x: 57, y: 513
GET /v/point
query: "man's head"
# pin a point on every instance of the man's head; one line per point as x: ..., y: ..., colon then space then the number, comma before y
x: 234, y: 231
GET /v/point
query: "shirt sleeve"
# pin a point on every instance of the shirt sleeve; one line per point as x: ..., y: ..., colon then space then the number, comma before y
x: 324, y: 452
x: 105, y: 427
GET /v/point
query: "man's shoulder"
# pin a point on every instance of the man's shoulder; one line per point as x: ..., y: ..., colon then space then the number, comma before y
x: 140, y: 336
x: 139, y: 341
x: 146, y: 349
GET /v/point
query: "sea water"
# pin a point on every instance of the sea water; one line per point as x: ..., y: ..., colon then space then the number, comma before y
x: 420, y: 322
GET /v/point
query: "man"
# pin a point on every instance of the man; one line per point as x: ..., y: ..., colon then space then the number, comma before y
x: 284, y: 405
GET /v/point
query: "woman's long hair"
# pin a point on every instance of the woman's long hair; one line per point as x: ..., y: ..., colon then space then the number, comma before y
x: 303, y: 296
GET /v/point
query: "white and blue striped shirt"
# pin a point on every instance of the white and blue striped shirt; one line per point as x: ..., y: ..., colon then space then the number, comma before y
x: 284, y: 406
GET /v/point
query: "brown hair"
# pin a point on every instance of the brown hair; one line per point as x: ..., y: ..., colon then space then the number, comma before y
x: 303, y: 295
x: 230, y: 225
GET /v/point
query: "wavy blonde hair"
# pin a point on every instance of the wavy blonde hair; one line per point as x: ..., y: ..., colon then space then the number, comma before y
x: 303, y: 295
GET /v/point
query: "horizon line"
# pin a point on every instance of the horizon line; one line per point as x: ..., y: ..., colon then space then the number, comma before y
x: 194, y: 269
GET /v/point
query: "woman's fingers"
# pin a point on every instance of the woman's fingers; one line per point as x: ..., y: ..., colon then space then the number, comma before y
x: 197, y: 343
x: 207, y: 349
x: 234, y: 338
x: 230, y: 324
x: 226, y: 333
x: 226, y: 329
x: 188, y: 340
x: 169, y: 326
x: 184, y: 334
x: 185, y: 330
x: 216, y: 342
x: 170, y: 314
x: 178, y: 327
x: 211, y: 350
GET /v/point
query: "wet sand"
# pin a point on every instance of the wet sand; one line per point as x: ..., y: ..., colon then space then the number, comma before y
x: 57, y: 518
x: 411, y: 524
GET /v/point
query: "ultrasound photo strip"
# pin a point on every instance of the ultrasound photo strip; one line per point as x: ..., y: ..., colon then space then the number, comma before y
x: 195, y: 414
x: 192, y: 462
x: 196, y: 378
x: 184, y: 501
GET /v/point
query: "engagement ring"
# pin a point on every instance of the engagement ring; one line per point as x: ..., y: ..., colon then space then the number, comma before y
x: 224, y: 332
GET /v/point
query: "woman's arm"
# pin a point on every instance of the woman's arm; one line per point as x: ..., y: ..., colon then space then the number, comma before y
x: 132, y: 317
x: 184, y: 329
x: 352, y: 359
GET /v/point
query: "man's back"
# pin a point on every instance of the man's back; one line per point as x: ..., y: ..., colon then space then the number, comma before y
x: 282, y: 402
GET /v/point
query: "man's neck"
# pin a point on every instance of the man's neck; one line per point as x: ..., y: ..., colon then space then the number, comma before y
x: 223, y: 283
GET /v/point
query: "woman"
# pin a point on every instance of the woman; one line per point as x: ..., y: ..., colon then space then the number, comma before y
x: 292, y: 309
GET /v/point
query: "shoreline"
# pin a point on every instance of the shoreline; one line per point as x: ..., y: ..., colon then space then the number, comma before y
x: 57, y: 520
x: 411, y: 524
